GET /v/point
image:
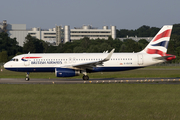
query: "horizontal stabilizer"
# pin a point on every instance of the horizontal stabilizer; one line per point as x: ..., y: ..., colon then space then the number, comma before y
x: 168, y: 57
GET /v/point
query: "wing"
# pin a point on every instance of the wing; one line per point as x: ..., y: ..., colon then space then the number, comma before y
x: 90, y: 65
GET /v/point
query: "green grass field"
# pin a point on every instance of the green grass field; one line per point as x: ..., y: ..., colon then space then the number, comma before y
x: 90, y: 101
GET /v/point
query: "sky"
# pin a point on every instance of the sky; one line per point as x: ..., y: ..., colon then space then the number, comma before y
x: 124, y: 14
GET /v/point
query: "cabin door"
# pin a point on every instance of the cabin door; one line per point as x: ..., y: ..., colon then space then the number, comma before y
x: 140, y: 59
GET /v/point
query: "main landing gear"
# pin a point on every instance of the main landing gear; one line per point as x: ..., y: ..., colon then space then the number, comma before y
x: 85, y: 76
x: 27, y: 77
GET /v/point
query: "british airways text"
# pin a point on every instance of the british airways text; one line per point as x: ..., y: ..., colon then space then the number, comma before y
x: 46, y: 62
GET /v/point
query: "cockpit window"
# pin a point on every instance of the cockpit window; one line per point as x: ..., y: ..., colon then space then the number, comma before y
x: 14, y: 59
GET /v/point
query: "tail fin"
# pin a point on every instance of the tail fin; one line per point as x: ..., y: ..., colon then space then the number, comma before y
x: 159, y: 43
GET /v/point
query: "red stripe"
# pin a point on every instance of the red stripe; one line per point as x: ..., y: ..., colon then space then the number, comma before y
x: 155, y: 51
x: 164, y: 34
x: 31, y: 57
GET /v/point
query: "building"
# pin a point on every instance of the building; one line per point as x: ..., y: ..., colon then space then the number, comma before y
x: 58, y: 34
x: 47, y: 35
x: 137, y: 38
x: 92, y: 32
x: 17, y: 31
x: 3, y: 26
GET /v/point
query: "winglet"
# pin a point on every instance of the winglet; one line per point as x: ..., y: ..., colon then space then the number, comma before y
x: 109, y: 55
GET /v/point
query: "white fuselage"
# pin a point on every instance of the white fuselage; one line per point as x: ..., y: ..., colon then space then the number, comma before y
x: 48, y: 62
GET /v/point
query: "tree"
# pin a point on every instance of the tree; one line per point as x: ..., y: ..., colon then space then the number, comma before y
x: 116, y: 44
x: 33, y: 45
x: 93, y: 49
x: 123, y: 48
x: 142, y: 43
x: 68, y: 51
x: 176, y: 29
x: 46, y: 46
x: 110, y: 38
x: 105, y: 47
x: 132, y: 46
x: 85, y: 42
x: 3, y: 56
x: 9, y: 45
x: 78, y: 49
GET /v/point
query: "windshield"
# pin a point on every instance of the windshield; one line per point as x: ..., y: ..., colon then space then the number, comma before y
x: 14, y: 59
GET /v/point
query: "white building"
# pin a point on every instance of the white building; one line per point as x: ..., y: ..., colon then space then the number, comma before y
x: 67, y: 34
x: 17, y: 31
x: 46, y: 35
x: 93, y: 33
x: 137, y: 38
x: 59, y: 34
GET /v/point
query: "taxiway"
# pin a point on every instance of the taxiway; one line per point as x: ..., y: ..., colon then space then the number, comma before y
x: 91, y: 81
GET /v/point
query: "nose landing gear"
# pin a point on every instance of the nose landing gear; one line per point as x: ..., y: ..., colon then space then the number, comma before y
x: 27, y: 77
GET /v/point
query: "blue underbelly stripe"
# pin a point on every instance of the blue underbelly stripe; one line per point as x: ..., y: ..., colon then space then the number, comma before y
x: 52, y: 69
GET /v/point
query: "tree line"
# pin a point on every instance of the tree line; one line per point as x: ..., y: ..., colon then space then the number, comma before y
x: 9, y: 47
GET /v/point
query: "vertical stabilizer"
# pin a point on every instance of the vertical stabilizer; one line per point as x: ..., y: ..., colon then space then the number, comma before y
x: 159, y: 43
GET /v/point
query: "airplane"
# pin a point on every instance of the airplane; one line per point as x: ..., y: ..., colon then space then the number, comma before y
x: 74, y: 64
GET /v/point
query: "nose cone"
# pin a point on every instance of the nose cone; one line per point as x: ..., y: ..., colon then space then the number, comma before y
x: 6, y: 65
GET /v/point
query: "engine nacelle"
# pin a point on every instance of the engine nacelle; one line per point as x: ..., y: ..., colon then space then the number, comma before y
x: 66, y: 72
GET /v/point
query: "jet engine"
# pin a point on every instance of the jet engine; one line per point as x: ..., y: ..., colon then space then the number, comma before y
x: 66, y: 72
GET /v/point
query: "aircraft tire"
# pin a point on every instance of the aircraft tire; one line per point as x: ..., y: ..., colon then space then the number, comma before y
x: 26, y: 79
x: 85, y: 77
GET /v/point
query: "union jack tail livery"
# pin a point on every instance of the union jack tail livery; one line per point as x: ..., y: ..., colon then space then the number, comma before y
x: 159, y: 43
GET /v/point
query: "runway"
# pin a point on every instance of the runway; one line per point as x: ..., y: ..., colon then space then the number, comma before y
x: 92, y: 81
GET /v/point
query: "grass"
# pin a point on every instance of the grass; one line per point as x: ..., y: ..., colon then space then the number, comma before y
x: 148, y: 72
x: 90, y: 101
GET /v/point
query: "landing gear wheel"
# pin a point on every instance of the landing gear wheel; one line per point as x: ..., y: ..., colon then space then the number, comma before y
x: 85, y: 77
x: 27, y: 79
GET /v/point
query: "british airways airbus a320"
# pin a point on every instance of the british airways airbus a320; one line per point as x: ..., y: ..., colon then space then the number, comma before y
x: 72, y: 64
